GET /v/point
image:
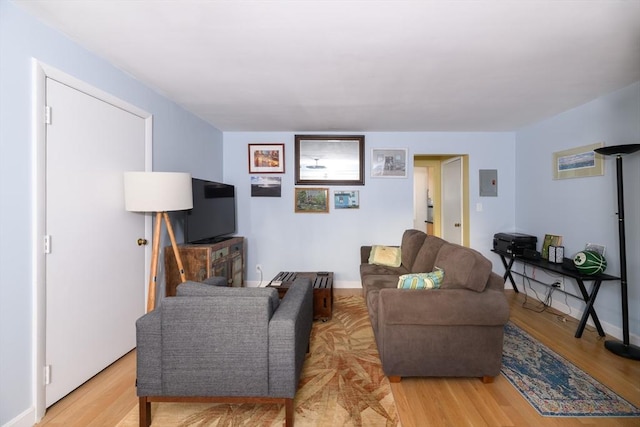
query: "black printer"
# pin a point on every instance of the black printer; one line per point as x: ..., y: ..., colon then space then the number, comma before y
x: 514, y: 243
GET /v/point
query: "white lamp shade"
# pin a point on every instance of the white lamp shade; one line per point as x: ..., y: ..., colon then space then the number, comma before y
x: 157, y: 191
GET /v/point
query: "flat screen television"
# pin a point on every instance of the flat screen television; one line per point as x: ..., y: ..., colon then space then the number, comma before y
x: 213, y: 217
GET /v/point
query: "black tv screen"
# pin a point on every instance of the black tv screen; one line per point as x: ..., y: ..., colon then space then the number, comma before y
x: 213, y: 217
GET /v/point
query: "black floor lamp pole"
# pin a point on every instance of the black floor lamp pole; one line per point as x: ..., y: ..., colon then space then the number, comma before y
x: 624, y: 348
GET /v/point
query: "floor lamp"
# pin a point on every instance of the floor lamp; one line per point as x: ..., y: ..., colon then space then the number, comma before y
x: 624, y: 348
x: 158, y: 192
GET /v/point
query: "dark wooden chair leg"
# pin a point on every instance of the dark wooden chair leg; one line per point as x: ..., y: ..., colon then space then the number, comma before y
x: 288, y: 412
x: 394, y: 379
x: 145, y: 411
x: 487, y: 379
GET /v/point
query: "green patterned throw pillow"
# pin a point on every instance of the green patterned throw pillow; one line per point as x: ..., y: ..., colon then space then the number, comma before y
x: 421, y: 280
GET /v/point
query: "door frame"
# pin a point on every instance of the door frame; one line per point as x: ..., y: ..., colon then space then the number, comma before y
x: 40, y: 72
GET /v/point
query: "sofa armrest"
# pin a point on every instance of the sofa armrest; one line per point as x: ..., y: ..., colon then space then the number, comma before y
x: 289, y: 334
x: 365, y: 251
x: 443, y: 307
x: 148, y: 361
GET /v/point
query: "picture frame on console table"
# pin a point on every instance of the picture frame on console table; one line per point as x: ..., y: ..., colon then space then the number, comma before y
x: 266, y: 158
x: 578, y: 162
x: 550, y: 240
x: 311, y: 200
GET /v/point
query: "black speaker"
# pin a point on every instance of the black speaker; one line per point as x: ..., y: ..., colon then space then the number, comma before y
x: 530, y: 254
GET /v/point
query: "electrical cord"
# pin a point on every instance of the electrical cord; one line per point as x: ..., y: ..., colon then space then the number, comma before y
x: 526, y: 295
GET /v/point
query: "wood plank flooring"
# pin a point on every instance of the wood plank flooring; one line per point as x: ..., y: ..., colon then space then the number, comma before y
x: 109, y: 396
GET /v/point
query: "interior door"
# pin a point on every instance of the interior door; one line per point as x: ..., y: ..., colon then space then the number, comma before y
x: 95, y: 273
x: 420, y: 198
x: 452, y: 226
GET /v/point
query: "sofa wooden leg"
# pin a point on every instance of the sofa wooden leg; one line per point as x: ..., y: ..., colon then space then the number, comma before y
x: 288, y: 412
x: 145, y: 411
x: 487, y: 379
x: 394, y: 379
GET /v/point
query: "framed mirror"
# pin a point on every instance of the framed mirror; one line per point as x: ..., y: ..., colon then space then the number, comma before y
x: 329, y: 159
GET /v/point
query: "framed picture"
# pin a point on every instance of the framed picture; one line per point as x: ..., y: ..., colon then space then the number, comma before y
x: 329, y: 159
x: 346, y: 199
x: 266, y: 186
x: 389, y: 162
x: 266, y: 158
x: 312, y: 200
x: 550, y: 240
x: 578, y: 162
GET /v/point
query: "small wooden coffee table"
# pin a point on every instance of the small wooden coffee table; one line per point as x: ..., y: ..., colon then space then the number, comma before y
x: 322, y: 282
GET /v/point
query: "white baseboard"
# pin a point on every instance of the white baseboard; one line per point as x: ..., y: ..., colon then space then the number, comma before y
x: 25, y: 419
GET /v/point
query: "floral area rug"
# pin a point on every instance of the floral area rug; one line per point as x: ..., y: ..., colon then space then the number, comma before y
x: 554, y: 386
x: 342, y: 384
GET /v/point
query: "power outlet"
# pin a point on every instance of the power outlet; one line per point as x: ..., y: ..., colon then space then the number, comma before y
x: 259, y: 268
x: 558, y: 285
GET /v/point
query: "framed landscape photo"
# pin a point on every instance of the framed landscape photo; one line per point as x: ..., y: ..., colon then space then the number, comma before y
x: 312, y: 200
x: 266, y: 158
x: 578, y: 162
x: 266, y: 186
x: 389, y: 162
x: 329, y: 159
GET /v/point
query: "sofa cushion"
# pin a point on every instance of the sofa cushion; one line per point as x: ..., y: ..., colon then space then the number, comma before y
x: 412, y: 241
x: 427, y: 253
x: 431, y: 280
x: 385, y: 255
x: 464, y: 267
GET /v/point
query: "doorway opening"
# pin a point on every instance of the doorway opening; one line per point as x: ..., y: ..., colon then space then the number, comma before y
x: 429, y: 195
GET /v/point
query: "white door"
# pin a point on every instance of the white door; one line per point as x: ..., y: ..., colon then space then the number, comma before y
x: 452, y: 200
x: 94, y: 271
x: 420, y: 198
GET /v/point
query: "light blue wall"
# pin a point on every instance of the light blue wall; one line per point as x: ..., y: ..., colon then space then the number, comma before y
x: 280, y: 239
x: 182, y: 142
x: 584, y: 209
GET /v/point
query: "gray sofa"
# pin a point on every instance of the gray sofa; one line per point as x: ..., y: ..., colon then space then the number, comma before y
x: 220, y: 344
x: 455, y: 330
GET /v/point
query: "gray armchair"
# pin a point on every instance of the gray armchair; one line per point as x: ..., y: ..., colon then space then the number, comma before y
x: 228, y: 345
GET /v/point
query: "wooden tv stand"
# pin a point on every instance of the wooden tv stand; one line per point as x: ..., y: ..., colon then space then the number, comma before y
x: 201, y: 261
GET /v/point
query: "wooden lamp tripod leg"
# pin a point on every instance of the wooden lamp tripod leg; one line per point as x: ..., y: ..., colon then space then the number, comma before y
x: 183, y: 278
x: 151, y: 297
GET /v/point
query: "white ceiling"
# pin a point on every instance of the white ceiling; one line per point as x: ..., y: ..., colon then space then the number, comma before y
x: 305, y: 65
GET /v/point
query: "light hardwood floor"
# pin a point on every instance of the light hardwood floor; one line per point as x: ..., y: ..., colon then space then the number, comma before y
x: 109, y: 396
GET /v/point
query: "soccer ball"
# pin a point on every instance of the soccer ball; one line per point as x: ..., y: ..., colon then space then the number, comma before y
x: 589, y: 262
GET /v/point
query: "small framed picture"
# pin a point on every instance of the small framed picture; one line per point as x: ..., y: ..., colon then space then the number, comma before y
x: 389, y: 163
x: 266, y: 158
x: 550, y: 240
x: 312, y: 200
x: 266, y: 186
x: 346, y: 199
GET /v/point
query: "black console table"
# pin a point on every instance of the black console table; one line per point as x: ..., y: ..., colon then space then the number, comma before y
x: 589, y: 299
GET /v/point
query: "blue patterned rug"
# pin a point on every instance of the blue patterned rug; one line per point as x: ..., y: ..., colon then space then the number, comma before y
x: 554, y: 386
